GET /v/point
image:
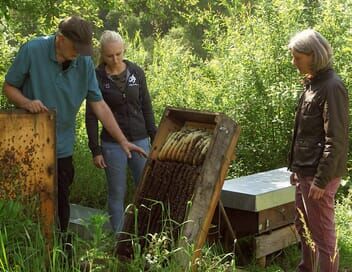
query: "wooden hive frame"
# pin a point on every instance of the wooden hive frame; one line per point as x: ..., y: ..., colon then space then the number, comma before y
x: 28, y: 161
x: 213, y: 171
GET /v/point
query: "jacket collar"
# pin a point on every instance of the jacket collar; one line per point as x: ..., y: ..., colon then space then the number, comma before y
x: 101, y: 68
x: 320, y: 75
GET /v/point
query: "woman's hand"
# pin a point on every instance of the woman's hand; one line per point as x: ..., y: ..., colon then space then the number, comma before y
x: 315, y: 192
x: 293, y: 179
x: 99, y: 161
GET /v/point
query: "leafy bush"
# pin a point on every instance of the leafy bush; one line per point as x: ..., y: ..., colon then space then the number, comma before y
x: 245, y: 71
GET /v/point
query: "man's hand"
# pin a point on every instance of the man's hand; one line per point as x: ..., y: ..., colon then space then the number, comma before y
x: 315, y: 192
x: 293, y: 179
x: 99, y: 161
x: 34, y: 106
x: 15, y: 96
x: 104, y: 114
x: 129, y: 147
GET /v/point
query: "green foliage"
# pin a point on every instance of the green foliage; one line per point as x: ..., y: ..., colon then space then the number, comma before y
x: 225, y: 56
x: 246, y: 74
x: 344, y: 229
x: 214, y: 259
x: 22, y: 247
x: 87, y: 176
x: 19, y: 241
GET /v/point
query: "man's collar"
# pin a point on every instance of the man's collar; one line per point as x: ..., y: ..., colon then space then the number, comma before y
x: 52, y: 53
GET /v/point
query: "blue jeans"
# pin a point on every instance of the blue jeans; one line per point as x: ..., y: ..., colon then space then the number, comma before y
x: 116, y: 176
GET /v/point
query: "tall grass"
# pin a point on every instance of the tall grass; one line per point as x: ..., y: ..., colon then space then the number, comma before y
x: 23, y: 248
x: 344, y: 230
x: 308, y: 239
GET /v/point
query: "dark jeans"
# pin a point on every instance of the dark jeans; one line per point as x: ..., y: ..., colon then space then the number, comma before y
x: 65, y: 174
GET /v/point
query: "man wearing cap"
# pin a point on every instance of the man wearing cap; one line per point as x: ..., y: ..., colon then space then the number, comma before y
x: 57, y: 72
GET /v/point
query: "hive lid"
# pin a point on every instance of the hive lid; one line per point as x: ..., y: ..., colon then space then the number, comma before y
x: 259, y: 191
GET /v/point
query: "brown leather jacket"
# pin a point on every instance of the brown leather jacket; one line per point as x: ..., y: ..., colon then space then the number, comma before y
x: 320, y: 138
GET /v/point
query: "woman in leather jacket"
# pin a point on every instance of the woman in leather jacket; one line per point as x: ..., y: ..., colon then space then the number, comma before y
x: 124, y: 89
x: 318, y: 153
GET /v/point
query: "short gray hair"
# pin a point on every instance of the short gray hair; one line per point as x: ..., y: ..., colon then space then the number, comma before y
x: 106, y: 37
x: 310, y: 41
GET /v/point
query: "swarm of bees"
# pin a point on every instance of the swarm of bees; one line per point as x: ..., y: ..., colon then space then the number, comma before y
x: 188, y: 145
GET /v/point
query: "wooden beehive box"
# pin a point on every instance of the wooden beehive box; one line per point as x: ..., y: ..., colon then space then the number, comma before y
x: 259, y: 202
x: 184, y: 190
x: 259, y: 207
x: 28, y: 162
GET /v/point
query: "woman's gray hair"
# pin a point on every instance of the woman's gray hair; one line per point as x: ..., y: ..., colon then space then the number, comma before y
x: 309, y: 42
x: 107, y: 37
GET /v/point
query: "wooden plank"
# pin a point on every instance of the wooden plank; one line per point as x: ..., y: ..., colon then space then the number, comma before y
x: 215, y: 167
x: 208, y: 127
x: 276, y: 217
x: 261, y: 262
x: 28, y: 160
x: 252, y: 223
x: 190, y: 115
x: 266, y: 244
x: 243, y: 222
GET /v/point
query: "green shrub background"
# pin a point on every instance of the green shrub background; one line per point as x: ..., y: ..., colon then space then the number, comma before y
x: 223, y: 56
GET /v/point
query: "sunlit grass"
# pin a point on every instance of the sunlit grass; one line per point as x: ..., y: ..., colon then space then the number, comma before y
x: 344, y: 229
x: 22, y: 248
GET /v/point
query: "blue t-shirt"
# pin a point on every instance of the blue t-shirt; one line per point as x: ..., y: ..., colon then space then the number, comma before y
x: 36, y: 72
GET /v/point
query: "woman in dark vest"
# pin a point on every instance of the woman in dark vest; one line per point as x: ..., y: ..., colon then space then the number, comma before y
x: 124, y: 88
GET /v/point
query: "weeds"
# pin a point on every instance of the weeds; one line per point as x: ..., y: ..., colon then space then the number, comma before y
x: 22, y: 248
x: 344, y: 229
x: 307, y: 235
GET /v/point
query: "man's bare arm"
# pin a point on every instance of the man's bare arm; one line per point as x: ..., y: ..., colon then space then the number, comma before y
x: 15, y: 96
x: 104, y: 114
